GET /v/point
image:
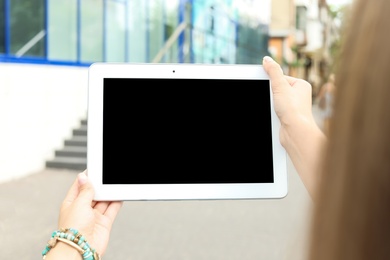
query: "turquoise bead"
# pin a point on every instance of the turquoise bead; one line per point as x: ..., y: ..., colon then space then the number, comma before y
x: 87, y: 254
x: 81, y: 239
x: 74, y: 231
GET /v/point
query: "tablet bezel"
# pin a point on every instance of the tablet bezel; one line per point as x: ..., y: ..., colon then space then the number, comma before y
x: 107, y: 192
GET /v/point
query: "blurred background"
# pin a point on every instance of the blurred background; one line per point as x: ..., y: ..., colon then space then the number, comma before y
x: 46, y: 47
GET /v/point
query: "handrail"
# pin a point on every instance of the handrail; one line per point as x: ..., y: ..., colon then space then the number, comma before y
x: 30, y: 43
x: 168, y: 44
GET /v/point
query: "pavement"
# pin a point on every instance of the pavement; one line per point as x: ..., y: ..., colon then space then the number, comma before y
x: 273, y: 229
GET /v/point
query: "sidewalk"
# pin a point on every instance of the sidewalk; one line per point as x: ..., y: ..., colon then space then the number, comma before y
x: 158, y: 230
x: 245, y: 229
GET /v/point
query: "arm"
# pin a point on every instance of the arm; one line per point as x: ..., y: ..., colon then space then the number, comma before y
x: 299, y: 134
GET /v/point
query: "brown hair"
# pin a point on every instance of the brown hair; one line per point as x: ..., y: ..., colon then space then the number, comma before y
x: 351, y: 218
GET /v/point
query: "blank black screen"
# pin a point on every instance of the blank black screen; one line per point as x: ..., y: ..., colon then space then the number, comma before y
x: 182, y: 131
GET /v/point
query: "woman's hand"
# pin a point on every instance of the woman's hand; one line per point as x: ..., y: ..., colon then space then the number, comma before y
x: 292, y: 96
x: 299, y: 133
x: 91, y: 218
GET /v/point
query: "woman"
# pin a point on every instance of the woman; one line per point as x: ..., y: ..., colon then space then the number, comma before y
x: 348, y: 174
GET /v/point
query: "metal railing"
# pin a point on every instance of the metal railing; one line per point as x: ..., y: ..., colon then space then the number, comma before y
x: 171, y: 40
x: 31, y: 43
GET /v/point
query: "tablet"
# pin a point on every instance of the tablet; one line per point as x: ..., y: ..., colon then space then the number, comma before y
x: 183, y: 132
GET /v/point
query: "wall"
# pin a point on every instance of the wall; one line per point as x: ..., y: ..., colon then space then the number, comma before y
x: 40, y: 105
x: 282, y: 17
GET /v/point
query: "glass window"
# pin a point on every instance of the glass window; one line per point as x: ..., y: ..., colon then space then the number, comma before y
x: 171, y: 23
x: 136, y: 14
x: 214, y: 33
x: 2, y: 27
x: 27, y: 27
x: 91, y: 42
x: 199, y: 40
x: 300, y: 17
x: 115, y: 31
x: 62, y: 30
x: 156, y: 27
x: 201, y: 33
x: 224, y: 35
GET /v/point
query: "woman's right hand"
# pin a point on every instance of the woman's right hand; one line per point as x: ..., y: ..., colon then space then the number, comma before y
x: 300, y: 135
x: 292, y: 96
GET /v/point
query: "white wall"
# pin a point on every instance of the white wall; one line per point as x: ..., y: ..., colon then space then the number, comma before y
x: 40, y: 105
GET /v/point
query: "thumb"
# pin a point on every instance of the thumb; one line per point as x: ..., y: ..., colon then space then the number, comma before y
x: 86, y: 190
x: 275, y: 73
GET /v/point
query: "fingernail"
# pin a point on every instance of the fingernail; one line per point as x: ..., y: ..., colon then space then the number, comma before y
x: 82, y: 178
x: 267, y: 59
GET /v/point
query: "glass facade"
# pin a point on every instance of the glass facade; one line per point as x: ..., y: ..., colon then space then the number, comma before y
x: 80, y: 32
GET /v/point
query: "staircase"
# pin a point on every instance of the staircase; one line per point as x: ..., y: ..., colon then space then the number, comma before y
x: 73, y: 155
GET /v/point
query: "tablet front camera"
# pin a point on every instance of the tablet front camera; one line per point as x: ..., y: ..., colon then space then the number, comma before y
x: 173, y: 71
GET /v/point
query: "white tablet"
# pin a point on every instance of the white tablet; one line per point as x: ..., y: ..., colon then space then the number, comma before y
x: 183, y: 132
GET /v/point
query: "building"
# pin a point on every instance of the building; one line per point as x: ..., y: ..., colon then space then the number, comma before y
x: 46, y: 47
x: 301, y: 35
x: 282, y: 32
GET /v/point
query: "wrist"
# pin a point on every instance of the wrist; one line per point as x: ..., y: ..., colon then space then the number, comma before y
x: 63, y: 251
x: 73, y: 239
x: 296, y: 129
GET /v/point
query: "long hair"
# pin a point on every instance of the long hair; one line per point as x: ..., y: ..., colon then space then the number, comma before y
x: 351, y: 219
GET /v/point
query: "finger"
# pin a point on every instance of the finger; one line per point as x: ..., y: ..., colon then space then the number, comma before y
x: 299, y: 83
x: 113, y: 209
x: 105, y: 207
x: 101, y: 206
x: 291, y: 80
x: 86, y: 190
x: 275, y: 73
x: 72, y: 193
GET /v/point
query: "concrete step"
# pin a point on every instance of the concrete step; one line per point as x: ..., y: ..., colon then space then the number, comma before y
x: 71, y: 163
x: 72, y: 151
x: 76, y: 141
x: 81, y: 131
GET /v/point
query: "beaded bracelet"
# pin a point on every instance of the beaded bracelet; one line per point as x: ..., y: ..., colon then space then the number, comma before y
x: 73, y: 238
